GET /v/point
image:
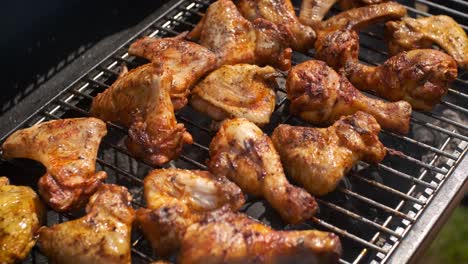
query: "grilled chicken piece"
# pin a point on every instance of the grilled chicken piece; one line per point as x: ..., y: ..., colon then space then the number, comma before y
x: 140, y: 100
x: 321, y: 96
x: 235, y: 40
x: 176, y: 199
x: 242, y: 152
x: 420, y: 33
x: 68, y: 149
x: 21, y: 215
x: 227, y: 237
x: 187, y: 62
x: 318, y: 158
x: 279, y: 12
x: 349, y: 4
x: 240, y: 90
x: 102, y: 236
x: 420, y: 77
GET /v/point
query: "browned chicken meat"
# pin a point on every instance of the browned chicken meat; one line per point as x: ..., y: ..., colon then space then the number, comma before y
x: 421, y: 33
x: 242, y: 152
x: 235, y: 39
x: 68, y: 149
x: 321, y: 96
x: 349, y: 4
x: 102, y: 236
x: 21, y: 215
x: 420, y: 77
x: 227, y: 237
x: 176, y: 199
x: 187, y: 62
x: 240, y: 90
x: 279, y: 12
x: 140, y: 100
x: 318, y: 158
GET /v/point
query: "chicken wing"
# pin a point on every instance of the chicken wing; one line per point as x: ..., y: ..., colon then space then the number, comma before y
x: 280, y: 12
x: 176, y: 199
x: 21, y: 215
x: 227, y: 237
x: 235, y: 40
x: 240, y: 90
x: 421, y: 33
x: 321, y: 96
x: 242, y: 152
x: 68, y: 149
x: 102, y: 236
x: 187, y: 62
x: 140, y: 100
x: 318, y: 158
x: 420, y: 77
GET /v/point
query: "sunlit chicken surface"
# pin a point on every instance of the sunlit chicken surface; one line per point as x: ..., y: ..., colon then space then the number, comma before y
x: 240, y: 90
x: 235, y: 39
x: 68, y: 149
x: 227, y: 237
x: 177, y: 198
x: 321, y: 96
x: 187, y: 62
x: 242, y: 152
x: 21, y: 215
x: 318, y: 158
x: 101, y: 236
x: 280, y: 12
x: 420, y: 77
x: 140, y: 100
x: 420, y: 33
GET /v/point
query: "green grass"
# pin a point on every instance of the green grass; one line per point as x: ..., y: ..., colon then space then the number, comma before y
x: 451, y: 244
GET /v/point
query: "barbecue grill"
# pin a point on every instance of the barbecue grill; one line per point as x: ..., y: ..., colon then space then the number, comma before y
x: 386, y: 213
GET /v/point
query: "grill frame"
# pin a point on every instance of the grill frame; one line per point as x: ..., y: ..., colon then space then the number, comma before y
x: 451, y: 186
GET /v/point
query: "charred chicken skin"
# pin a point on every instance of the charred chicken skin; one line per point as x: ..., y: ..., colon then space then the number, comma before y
x: 242, y: 152
x: 318, y: 158
x: 21, y: 215
x: 102, y: 236
x: 187, y: 62
x: 420, y: 77
x: 321, y: 96
x: 176, y: 199
x: 140, y: 100
x: 279, y: 12
x: 68, y: 149
x: 227, y: 237
x: 240, y: 90
x: 235, y: 39
x: 422, y: 33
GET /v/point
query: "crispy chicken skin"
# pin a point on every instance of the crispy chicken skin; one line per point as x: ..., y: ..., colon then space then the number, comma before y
x: 187, y: 62
x: 68, y: 149
x: 140, y: 100
x: 321, y: 96
x: 177, y: 198
x: 420, y: 77
x: 421, y: 33
x: 101, y: 236
x: 235, y: 39
x: 279, y: 12
x: 242, y: 152
x: 227, y: 237
x: 240, y: 90
x: 318, y: 158
x: 21, y: 215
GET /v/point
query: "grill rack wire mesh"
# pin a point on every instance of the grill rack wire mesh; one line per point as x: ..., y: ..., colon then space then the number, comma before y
x: 379, y: 203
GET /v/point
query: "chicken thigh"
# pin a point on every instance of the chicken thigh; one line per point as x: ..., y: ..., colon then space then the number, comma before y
x: 21, y: 215
x: 318, y: 158
x: 240, y: 90
x: 68, y: 149
x: 242, y: 152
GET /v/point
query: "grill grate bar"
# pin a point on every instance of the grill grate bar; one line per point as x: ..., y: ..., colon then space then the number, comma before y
x: 454, y: 106
x: 447, y: 120
x: 443, y: 130
x: 404, y: 175
x: 444, y: 8
x: 399, y: 154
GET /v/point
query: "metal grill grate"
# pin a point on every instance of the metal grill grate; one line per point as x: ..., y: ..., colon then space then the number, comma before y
x: 373, y: 209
